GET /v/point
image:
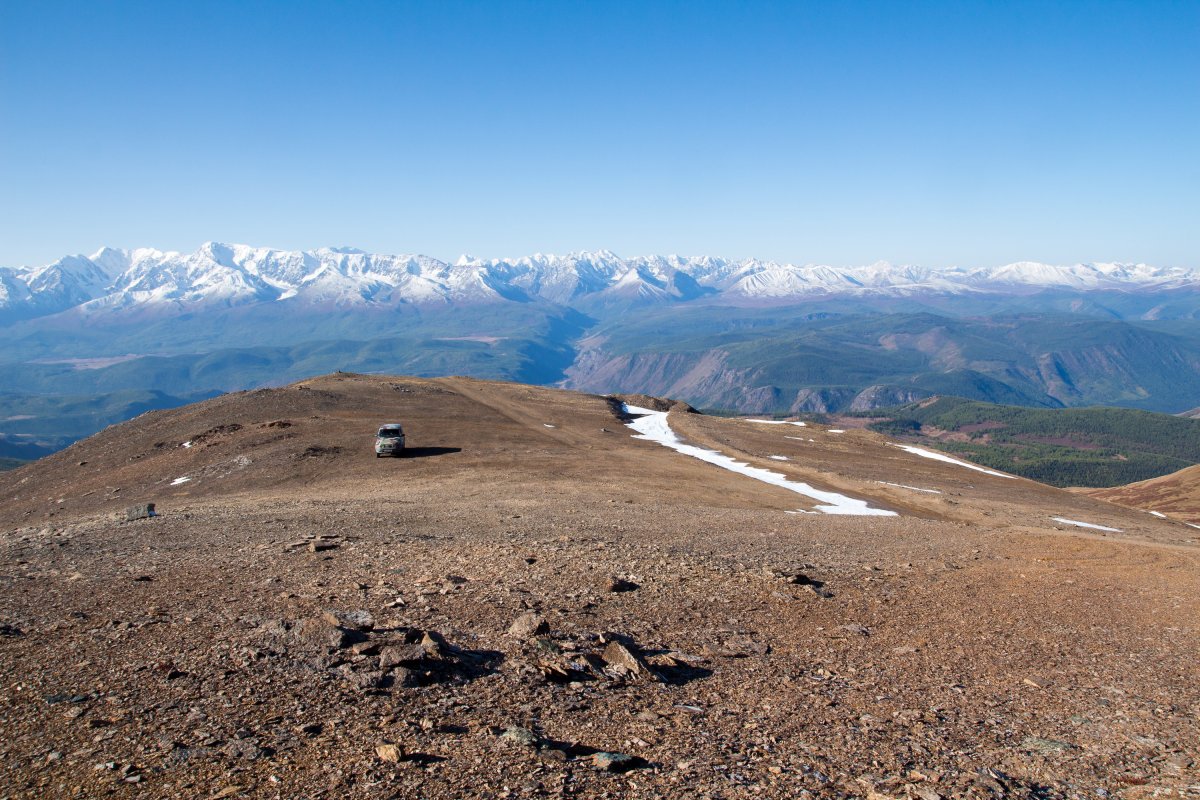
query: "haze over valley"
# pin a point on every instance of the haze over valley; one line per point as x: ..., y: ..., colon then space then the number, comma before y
x: 92, y: 340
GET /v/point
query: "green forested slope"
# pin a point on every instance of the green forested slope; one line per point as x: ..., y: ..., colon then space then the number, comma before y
x: 1063, y: 447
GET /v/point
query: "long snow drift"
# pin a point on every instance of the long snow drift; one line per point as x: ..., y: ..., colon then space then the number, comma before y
x: 653, y: 425
x: 917, y: 451
x: 1091, y: 525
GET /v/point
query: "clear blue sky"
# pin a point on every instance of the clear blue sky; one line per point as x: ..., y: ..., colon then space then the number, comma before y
x: 932, y: 133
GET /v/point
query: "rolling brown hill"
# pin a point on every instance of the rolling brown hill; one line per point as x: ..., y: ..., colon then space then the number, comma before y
x: 1176, y: 495
x: 534, y: 603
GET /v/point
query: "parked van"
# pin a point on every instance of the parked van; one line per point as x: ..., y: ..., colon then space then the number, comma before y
x: 390, y: 440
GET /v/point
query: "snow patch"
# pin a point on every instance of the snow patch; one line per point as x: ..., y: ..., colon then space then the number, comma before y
x: 780, y: 458
x: 1079, y: 524
x: 778, y: 422
x: 178, y: 481
x: 1159, y: 514
x: 914, y: 488
x: 186, y: 444
x: 835, y: 430
x: 547, y: 425
x: 653, y: 426
x: 917, y: 451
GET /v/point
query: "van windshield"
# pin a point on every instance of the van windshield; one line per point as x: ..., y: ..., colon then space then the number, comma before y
x: 390, y: 433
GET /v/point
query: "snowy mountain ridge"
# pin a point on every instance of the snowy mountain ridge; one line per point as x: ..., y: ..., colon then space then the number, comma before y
x: 234, y: 274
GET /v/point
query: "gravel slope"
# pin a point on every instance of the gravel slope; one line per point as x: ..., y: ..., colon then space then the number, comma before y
x: 305, y: 620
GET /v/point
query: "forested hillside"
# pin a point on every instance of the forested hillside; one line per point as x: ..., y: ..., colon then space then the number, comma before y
x: 1064, y: 447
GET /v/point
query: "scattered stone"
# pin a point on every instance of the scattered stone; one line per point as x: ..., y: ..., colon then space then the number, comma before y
x: 1045, y: 746
x: 791, y: 576
x: 140, y: 511
x: 518, y: 735
x: 320, y: 547
x: 389, y: 752
x: 371, y: 679
x: 857, y: 630
x: 554, y: 754
x: 328, y: 634
x: 398, y: 654
x: 648, y: 716
x: 615, y: 584
x: 8, y: 629
x: 367, y: 648
x: 528, y: 625
x: 240, y: 748
x: 743, y: 646
x: 626, y: 662
x: 613, y: 762
x: 358, y: 620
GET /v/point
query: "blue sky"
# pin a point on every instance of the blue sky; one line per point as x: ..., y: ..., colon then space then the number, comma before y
x: 844, y: 133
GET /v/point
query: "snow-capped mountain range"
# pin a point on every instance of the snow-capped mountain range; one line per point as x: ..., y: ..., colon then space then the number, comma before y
x: 217, y: 274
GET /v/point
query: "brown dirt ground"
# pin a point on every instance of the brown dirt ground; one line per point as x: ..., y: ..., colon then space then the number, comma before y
x: 970, y: 646
x: 1176, y: 495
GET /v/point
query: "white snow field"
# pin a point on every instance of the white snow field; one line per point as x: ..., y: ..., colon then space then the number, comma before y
x: 653, y: 426
x: 917, y: 451
x: 778, y: 422
x: 914, y: 488
x: 224, y: 274
x: 1079, y: 524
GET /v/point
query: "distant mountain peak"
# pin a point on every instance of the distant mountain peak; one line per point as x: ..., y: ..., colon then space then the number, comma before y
x: 239, y: 274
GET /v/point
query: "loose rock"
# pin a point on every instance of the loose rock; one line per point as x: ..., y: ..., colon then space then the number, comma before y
x: 527, y: 625
x: 389, y: 752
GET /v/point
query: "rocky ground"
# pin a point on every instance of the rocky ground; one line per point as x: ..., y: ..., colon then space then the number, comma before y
x: 535, y: 604
x: 1175, y: 496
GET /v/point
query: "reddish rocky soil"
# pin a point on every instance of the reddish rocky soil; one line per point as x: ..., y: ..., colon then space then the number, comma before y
x: 533, y: 603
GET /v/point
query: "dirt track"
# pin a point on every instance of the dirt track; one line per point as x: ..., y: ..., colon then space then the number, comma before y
x: 969, y: 646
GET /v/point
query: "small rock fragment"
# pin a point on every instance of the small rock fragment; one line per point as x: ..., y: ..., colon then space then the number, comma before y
x: 527, y: 625
x: 616, y: 584
x: 397, y: 654
x: 389, y: 752
x: 357, y: 620
x: 1046, y: 746
x: 624, y: 661
x: 519, y: 735
x: 613, y: 762
x: 140, y: 511
x: 742, y: 646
